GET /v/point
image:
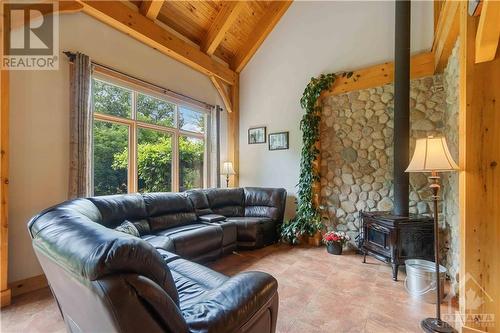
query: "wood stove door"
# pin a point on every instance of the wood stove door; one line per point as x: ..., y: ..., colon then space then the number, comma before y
x: 377, y: 239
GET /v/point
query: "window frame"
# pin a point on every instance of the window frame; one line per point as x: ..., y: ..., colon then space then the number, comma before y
x: 134, y: 125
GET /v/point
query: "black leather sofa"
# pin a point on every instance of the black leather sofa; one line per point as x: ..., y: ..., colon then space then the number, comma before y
x: 106, y: 280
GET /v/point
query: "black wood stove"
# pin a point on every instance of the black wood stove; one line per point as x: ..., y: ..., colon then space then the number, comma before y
x: 393, y: 239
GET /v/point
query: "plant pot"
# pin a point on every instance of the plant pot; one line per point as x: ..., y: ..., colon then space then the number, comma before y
x: 302, y: 239
x: 334, y: 248
x: 315, y: 240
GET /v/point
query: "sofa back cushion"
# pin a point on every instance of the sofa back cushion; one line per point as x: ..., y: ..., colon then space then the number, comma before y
x: 115, y: 209
x: 200, y: 202
x: 168, y: 210
x: 70, y: 237
x: 265, y: 202
x: 226, y: 201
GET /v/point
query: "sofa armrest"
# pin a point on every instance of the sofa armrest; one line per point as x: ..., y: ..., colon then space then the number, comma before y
x: 231, y: 305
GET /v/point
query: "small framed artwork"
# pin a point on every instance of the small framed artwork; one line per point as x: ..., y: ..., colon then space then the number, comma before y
x: 256, y: 135
x: 278, y: 141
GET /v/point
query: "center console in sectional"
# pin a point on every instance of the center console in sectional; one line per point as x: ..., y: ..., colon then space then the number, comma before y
x: 125, y: 283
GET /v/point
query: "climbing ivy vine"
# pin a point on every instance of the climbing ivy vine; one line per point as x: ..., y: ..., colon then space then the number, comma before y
x: 307, y: 220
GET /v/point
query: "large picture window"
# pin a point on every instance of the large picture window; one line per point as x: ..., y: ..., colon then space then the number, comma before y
x: 144, y: 141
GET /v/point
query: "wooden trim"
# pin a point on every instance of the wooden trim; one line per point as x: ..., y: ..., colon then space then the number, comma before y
x: 488, y: 31
x: 233, y: 124
x: 4, y: 187
x: 219, y: 85
x: 438, y: 5
x: 266, y: 24
x: 119, y: 16
x: 223, y: 21
x: 479, y: 181
x: 150, y: 8
x: 421, y: 65
x: 446, y: 33
x: 28, y: 285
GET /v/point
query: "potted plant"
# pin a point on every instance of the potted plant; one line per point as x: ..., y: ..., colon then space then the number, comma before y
x: 335, y: 241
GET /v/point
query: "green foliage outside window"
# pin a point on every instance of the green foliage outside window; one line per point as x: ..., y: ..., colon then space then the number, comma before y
x: 154, y: 148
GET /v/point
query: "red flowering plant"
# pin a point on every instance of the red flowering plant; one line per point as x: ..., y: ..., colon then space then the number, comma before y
x: 336, y: 237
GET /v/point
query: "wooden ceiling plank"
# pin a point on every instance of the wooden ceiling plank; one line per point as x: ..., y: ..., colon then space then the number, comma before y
x: 223, y: 21
x: 421, y: 65
x: 265, y: 25
x: 151, y: 8
x: 221, y: 89
x: 446, y: 33
x: 121, y: 17
x: 488, y: 31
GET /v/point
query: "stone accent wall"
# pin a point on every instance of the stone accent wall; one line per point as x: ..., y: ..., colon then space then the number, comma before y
x: 357, y: 154
x: 451, y: 222
x: 357, y: 149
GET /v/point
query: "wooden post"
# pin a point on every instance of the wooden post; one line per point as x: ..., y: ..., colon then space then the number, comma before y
x: 4, y: 187
x: 479, y: 150
x: 233, y: 126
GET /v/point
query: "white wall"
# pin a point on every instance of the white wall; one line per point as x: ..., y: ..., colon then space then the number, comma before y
x: 39, y: 121
x: 311, y: 38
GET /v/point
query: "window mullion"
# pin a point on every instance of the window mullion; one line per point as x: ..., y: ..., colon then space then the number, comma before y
x: 175, y: 162
x: 133, y: 147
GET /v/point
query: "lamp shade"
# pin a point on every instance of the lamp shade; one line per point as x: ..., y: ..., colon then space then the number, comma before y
x: 227, y: 169
x: 431, y: 154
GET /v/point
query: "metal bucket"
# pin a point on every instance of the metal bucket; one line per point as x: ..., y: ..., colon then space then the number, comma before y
x: 420, y: 279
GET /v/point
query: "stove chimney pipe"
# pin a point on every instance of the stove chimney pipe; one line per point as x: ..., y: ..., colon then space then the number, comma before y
x: 401, y: 107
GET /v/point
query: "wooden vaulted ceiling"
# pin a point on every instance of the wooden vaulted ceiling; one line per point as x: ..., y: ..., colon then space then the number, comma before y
x: 229, y: 30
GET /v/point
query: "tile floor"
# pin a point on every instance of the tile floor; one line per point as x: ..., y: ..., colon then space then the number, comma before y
x: 318, y: 292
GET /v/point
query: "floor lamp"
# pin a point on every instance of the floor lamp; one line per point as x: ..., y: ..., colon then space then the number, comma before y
x: 432, y: 155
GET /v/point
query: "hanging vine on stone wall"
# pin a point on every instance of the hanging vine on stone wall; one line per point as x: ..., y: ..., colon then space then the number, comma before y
x: 307, y: 219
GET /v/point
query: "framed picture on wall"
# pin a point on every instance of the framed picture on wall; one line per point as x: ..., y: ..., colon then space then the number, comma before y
x: 256, y: 135
x: 278, y: 141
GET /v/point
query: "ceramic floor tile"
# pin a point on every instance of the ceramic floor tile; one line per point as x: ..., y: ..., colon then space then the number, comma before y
x: 318, y: 293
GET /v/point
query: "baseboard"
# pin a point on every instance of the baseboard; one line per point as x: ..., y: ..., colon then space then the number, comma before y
x: 6, y: 297
x: 27, y: 285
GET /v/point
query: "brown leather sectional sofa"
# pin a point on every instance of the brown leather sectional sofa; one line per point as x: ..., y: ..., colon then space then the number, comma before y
x: 107, y: 280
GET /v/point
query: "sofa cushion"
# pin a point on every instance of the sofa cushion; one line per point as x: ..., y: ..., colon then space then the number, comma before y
x: 115, y: 209
x: 194, y: 240
x: 229, y: 306
x: 160, y: 242
x: 192, y: 280
x: 200, y: 202
x: 265, y: 202
x: 168, y: 210
x: 226, y: 201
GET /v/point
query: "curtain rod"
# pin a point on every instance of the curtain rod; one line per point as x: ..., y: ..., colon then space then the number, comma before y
x: 71, y: 56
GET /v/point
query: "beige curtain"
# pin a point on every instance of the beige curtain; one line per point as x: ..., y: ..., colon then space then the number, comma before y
x: 80, y: 167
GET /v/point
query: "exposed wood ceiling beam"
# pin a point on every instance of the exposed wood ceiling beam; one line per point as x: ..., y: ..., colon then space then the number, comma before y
x: 421, y: 65
x: 488, y: 31
x: 264, y: 27
x: 150, y: 8
x: 223, y: 21
x: 221, y: 89
x: 446, y: 33
x: 121, y: 17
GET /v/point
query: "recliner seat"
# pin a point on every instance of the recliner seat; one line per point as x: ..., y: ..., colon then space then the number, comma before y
x: 128, y: 284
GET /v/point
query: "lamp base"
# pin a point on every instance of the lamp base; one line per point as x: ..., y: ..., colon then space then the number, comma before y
x: 432, y: 325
